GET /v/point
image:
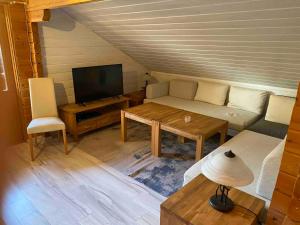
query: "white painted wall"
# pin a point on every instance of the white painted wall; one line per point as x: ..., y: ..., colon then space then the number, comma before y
x: 249, y: 41
x: 67, y: 44
x: 161, y: 76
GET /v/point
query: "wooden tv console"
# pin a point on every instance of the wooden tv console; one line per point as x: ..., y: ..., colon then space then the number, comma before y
x: 80, y: 119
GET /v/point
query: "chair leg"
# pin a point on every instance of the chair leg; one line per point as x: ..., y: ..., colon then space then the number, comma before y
x: 35, y: 139
x: 65, y: 141
x: 58, y: 136
x: 30, y: 146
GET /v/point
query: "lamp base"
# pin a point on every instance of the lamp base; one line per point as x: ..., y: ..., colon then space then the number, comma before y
x: 216, y: 202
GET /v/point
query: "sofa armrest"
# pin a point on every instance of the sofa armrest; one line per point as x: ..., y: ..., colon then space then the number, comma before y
x: 270, y: 168
x: 157, y: 90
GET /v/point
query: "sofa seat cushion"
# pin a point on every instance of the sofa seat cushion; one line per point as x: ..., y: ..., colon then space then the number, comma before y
x: 263, y: 126
x: 183, y: 89
x: 238, y: 119
x: 46, y: 124
x: 251, y: 147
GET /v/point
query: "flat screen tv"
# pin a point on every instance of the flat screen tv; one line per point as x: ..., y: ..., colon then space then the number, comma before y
x: 92, y: 83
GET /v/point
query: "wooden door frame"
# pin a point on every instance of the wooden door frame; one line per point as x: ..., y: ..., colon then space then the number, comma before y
x: 9, y: 67
x: 20, y: 53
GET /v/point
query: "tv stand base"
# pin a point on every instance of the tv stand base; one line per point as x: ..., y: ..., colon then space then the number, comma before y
x: 83, y: 118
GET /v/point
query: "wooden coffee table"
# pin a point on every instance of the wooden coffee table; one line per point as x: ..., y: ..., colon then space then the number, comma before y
x: 190, y: 206
x: 162, y: 117
x: 199, y: 129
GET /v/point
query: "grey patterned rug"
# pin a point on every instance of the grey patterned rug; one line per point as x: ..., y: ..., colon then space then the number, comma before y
x: 165, y: 174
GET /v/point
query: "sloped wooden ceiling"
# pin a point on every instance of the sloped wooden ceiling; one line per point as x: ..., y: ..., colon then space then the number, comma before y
x: 256, y: 41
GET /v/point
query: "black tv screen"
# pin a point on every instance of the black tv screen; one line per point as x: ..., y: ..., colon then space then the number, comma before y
x: 92, y: 83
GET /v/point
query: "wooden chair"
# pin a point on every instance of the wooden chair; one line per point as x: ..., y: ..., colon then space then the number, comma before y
x: 44, y: 111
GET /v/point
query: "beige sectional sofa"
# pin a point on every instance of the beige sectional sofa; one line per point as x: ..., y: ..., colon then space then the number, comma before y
x: 239, y: 106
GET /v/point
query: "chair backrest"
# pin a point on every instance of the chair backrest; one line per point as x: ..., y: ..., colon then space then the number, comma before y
x: 42, y: 97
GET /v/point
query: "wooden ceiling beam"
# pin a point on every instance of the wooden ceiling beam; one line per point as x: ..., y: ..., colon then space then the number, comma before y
x: 12, y: 1
x: 42, y: 15
x: 34, y: 5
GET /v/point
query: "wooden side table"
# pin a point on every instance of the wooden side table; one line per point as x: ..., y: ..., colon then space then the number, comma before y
x: 136, y: 98
x: 190, y: 206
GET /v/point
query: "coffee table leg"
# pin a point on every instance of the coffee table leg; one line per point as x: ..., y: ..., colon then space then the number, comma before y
x: 199, y: 148
x: 181, y: 140
x: 123, y: 126
x: 223, y: 133
x: 155, y: 139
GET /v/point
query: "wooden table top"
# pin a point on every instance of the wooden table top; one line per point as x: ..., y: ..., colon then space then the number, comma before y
x: 151, y: 111
x: 172, y: 119
x: 191, y: 205
x: 76, y: 108
x: 199, y: 124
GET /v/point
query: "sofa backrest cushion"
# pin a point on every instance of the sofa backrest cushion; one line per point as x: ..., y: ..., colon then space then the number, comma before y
x: 247, y: 99
x: 269, y: 171
x: 183, y: 89
x: 157, y: 90
x: 214, y: 93
x: 280, y: 109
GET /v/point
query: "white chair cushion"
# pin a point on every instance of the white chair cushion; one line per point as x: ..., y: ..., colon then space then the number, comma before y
x: 183, y: 89
x: 280, y: 109
x: 46, y: 124
x: 247, y: 99
x: 214, y: 93
x: 270, y: 168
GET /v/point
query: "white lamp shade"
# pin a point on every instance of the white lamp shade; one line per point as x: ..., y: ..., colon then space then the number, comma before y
x: 228, y: 171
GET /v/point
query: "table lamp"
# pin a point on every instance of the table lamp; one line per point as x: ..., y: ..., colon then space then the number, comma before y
x: 227, y: 170
x: 147, y: 79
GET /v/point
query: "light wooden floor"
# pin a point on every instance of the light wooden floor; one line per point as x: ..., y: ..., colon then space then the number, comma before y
x: 106, y: 146
x: 73, y: 189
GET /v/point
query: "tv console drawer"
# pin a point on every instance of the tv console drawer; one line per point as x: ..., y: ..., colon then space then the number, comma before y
x: 86, y: 126
x: 98, y: 122
x: 109, y: 118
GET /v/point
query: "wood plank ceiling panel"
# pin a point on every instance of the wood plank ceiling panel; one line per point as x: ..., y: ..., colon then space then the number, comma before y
x: 255, y: 41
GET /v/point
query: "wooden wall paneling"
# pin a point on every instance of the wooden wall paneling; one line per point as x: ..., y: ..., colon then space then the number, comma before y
x: 286, y: 183
x: 275, y: 217
x: 294, y: 209
x: 290, y: 163
x: 35, y: 49
x: 67, y: 44
x: 285, y: 205
x: 297, y: 188
x: 21, y: 56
